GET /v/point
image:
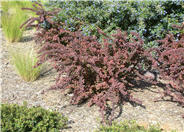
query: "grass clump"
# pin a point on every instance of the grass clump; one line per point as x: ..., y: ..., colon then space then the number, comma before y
x: 24, y: 62
x: 128, y: 126
x: 13, y: 17
x: 11, y: 26
x: 15, y: 118
x: 15, y: 4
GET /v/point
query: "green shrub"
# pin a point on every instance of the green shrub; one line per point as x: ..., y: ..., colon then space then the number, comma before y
x: 12, y: 18
x: 128, y: 126
x: 24, y: 62
x: 15, y: 118
x: 151, y: 19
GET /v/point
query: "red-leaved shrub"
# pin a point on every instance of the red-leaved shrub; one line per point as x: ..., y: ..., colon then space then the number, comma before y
x: 97, y: 72
x: 48, y: 30
x: 169, y: 61
x: 103, y: 73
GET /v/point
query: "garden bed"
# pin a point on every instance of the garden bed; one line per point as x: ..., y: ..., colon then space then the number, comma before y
x: 82, y: 118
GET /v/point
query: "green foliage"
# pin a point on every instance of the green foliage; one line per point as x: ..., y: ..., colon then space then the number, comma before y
x: 24, y: 62
x: 128, y: 126
x: 151, y: 19
x: 15, y: 118
x: 12, y: 18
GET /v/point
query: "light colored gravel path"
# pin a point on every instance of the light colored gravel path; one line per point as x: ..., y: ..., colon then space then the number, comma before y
x: 82, y: 118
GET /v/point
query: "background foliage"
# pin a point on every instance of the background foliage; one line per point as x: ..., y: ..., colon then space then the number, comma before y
x: 151, y: 19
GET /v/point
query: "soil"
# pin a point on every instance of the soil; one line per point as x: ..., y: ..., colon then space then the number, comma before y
x: 81, y: 118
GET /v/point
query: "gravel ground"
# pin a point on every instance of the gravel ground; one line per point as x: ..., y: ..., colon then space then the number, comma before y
x: 81, y: 118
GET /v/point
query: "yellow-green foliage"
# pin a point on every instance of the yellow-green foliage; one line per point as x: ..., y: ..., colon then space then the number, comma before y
x: 9, y: 4
x: 12, y: 18
x: 24, y: 62
x: 11, y: 26
x: 128, y: 126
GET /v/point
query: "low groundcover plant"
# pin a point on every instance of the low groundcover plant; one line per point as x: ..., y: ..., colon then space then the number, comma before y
x: 16, y: 118
x: 128, y: 126
x: 24, y: 62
